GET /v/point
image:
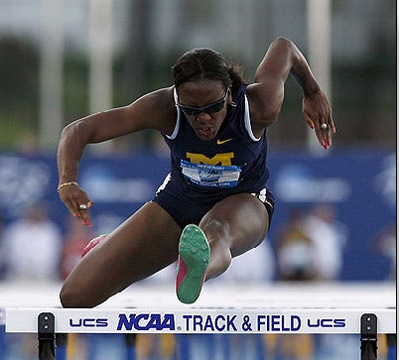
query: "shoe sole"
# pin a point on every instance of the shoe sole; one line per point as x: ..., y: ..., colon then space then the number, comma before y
x: 195, y: 252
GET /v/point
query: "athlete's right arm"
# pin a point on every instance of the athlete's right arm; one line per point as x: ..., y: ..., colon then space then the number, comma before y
x: 155, y: 110
x: 266, y: 95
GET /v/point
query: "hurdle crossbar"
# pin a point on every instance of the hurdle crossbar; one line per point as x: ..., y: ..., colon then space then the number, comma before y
x: 201, y: 320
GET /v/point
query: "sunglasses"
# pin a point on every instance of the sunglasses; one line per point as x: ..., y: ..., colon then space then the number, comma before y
x: 209, y: 109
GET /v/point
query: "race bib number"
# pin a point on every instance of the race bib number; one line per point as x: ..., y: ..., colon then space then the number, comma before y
x: 211, y: 175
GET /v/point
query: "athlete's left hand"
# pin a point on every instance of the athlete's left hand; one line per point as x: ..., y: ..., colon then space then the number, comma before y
x: 317, y: 111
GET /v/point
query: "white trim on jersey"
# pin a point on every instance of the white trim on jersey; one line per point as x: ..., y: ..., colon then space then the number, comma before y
x: 165, y: 182
x: 248, y: 121
x: 177, y: 126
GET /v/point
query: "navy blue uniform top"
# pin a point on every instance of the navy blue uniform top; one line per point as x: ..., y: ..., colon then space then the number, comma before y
x: 234, y: 162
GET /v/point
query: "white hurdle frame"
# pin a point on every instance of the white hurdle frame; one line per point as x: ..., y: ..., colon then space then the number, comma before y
x: 364, y: 309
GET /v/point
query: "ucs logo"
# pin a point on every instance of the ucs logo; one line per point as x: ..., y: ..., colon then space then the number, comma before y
x: 327, y: 323
x: 89, y: 322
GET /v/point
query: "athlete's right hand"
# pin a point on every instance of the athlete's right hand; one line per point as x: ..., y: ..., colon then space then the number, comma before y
x: 317, y: 112
x: 73, y: 197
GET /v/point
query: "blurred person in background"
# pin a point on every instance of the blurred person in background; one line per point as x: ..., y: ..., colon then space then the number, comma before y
x: 32, y: 247
x: 294, y: 249
x: 215, y: 204
x: 328, y: 238
x: 310, y: 244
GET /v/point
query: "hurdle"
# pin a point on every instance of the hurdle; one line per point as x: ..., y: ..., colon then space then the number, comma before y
x: 283, y: 308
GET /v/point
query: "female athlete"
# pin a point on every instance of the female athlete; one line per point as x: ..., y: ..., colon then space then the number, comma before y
x: 214, y: 204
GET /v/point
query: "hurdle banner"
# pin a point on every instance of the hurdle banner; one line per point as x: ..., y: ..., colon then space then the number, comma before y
x: 289, y: 308
x: 48, y: 322
x: 234, y: 321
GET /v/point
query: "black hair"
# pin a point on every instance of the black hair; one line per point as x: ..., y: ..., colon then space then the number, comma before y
x: 206, y: 63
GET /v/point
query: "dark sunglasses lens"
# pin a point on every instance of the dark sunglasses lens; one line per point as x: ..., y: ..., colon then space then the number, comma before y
x: 190, y: 111
x: 210, y: 109
x: 216, y: 107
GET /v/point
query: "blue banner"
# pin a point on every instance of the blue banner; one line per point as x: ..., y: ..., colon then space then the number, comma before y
x: 361, y: 186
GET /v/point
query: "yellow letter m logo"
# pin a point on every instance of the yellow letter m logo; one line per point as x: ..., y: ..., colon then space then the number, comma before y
x: 222, y: 159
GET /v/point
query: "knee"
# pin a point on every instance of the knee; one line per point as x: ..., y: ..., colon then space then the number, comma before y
x: 68, y: 298
x: 71, y: 298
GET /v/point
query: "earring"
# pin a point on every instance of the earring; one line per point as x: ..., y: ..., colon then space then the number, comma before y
x: 233, y: 104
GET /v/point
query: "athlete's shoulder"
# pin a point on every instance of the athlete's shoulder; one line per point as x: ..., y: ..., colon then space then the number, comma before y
x: 157, y: 108
x: 162, y: 98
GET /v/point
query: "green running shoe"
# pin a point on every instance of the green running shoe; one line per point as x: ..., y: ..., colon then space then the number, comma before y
x: 194, y: 255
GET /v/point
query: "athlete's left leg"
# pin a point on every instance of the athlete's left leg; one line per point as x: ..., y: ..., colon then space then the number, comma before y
x: 233, y: 226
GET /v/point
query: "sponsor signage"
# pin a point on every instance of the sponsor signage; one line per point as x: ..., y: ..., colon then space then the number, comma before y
x: 311, y: 321
x: 206, y: 323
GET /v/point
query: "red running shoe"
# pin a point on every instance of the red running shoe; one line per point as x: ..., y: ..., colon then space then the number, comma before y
x: 93, y: 243
x: 194, y: 256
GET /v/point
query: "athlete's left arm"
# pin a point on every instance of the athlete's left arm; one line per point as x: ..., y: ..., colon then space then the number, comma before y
x: 266, y: 95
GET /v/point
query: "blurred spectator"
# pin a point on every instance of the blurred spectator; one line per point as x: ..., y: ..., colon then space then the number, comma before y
x: 328, y: 239
x: 32, y: 247
x: 386, y: 246
x: 76, y: 239
x: 295, y: 249
x: 309, y: 247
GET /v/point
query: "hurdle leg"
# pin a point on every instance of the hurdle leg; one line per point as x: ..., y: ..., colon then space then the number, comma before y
x: 46, y: 336
x: 392, y: 346
x: 368, y: 337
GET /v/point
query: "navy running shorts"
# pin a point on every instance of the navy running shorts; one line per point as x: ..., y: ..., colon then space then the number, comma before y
x: 187, y: 208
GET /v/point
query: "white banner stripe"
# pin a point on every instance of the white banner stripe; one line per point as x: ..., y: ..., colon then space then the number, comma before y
x: 312, y: 321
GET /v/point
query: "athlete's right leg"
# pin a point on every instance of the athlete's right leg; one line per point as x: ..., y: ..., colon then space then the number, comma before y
x: 144, y: 244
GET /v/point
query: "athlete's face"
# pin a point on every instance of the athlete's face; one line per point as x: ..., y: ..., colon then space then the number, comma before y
x: 200, y: 94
